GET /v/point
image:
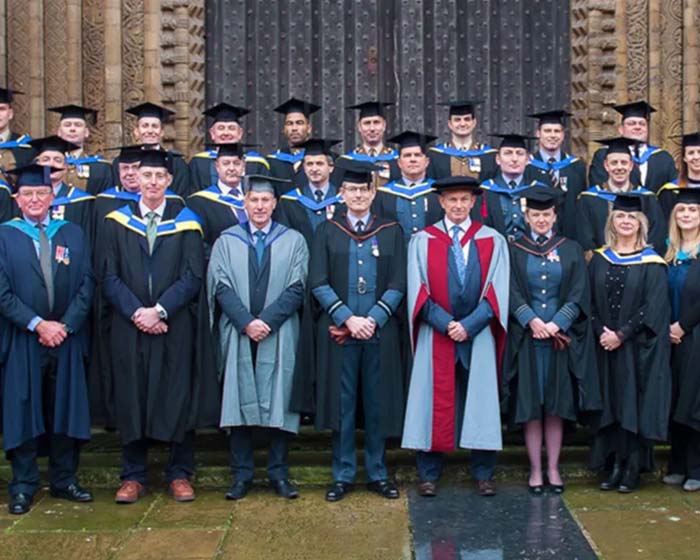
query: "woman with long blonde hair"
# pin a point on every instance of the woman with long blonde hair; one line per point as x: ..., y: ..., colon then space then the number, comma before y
x: 630, y: 315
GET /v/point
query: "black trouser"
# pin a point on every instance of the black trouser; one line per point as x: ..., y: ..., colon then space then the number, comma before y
x: 241, y: 453
x: 180, y: 460
x: 64, y: 453
x: 685, y: 451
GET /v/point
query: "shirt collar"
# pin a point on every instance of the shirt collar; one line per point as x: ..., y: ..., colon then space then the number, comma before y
x: 265, y: 230
x: 57, y: 188
x: 407, y: 181
x: 465, y: 225
x: 546, y: 156
x: 145, y: 209
x: 354, y: 219
x: 33, y: 223
x: 534, y: 235
x: 324, y: 189
x: 225, y: 189
x: 518, y: 180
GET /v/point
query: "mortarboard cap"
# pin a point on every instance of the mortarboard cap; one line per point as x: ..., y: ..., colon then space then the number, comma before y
x: 224, y: 112
x: 229, y: 149
x: 551, y: 117
x: 462, y: 107
x: 458, y: 183
x: 513, y: 140
x: 542, y: 198
x: 32, y: 175
x: 295, y: 105
x: 129, y: 154
x: 635, y: 109
x: 628, y: 202
x: 619, y: 145
x: 149, y: 109
x: 52, y: 144
x: 409, y: 138
x: 690, y: 139
x: 263, y: 183
x: 318, y: 146
x: 6, y: 94
x: 371, y: 109
x: 75, y: 112
x: 355, y: 171
x: 156, y: 158
x: 686, y: 195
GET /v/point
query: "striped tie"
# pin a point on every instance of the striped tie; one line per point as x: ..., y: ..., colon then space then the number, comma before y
x: 458, y: 254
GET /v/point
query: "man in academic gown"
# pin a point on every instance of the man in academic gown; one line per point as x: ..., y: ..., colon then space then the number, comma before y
x: 89, y: 173
x: 286, y: 163
x: 458, y: 273
x: 462, y: 155
x: 306, y: 207
x: 69, y: 203
x: 225, y: 129
x: 567, y: 173
x: 653, y: 167
x: 149, y: 129
x: 357, y: 278
x: 15, y: 150
x: 47, y: 285
x: 256, y: 283
x: 153, y: 279
x: 409, y: 200
x: 501, y: 207
x: 371, y: 126
x: 594, y: 203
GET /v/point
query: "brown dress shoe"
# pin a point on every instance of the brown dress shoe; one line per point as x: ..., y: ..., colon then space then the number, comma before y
x: 129, y: 492
x: 181, y: 490
x: 427, y: 489
x: 486, y: 488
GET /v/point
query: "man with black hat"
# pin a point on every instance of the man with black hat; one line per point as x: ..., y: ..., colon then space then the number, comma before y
x: 689, y: 172
x: 410, y: 200
x: 15, y: 150
x: 357, y: 277
x: 225, y: 129
x: 153, y: 280
x: 69, y: 203
x: 461, y: 155
x: 256, y: 285
x: 89, y: 173
x: 149, y: 130
x: 47, y: 286
x: 458, y: 278
x: 371, y: 126
x: 286, y: 163
x: 306, y: 207
x: 567, y: 173
x: 594, y: 203
x: 653, y: 167
x: 502, y: 206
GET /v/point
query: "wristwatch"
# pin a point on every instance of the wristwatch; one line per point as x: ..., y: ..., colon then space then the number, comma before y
x: 162, y: 313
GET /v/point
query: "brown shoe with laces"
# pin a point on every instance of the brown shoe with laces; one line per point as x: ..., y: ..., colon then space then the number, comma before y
x: 129, y: 492
x: 181, y: 490
x: 486, y: 488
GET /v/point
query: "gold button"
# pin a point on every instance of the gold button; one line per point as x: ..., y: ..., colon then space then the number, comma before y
x: 544, y: 291
x: 544, y: 305
x: 544, y: 277
x: 359, y: 245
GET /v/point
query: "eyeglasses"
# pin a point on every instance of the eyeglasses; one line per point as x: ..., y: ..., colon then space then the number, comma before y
x: 357, y: 190
x: 41, y: 194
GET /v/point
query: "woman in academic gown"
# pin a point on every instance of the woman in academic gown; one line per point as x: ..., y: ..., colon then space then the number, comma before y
x: 630, y: 320
x: 684, y: 291
x: 549, y: 372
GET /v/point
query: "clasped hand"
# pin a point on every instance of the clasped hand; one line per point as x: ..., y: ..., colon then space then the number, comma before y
x: 456, y: 331
x: 51, y: 333
x: 257, y: 330
x: 676, y: 333
x: 148, y: 320
x: 609, y: 339
x: 361, y: 328
x: 541, y: 330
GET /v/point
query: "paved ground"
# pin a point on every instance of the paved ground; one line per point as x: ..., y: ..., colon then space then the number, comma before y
x: 656, y: 523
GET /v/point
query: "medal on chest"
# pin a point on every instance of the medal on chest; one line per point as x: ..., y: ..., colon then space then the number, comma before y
x: 330, y: 210
x: 58, y: 212
x: 562, y: 183
x: 375, y: 248
x: 553, y: 256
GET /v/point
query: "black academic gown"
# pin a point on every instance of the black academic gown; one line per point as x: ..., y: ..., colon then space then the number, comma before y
x: 572, y: 182
x: 389, y: 169
x: 182, y: 183
x: 23, y: 297
x: 90, y: 176
x: 317, y: 383
x: 482, y: 165
x: 288, y: 166
x: 159, y: 389
x: 592, y: 213
x: 215, y: 216
x: 294, y: 207
x: 16, y: 153
x: 203, y: 174
x: 635, y: 379
x: 8, y: 206
x: 75, y: 206
x: 661, y: 169
x: 384, y: 206
x: 572, y: 384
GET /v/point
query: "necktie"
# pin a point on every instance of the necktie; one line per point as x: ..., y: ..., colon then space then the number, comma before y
x: 259, y: 246
x: 319, y: 195
x: 541, y: 239
x: 553, y: 174
x: 372, y: 152
x: 512, y: 184
x: 45, y: 262
x: 359, y: 226
x: 240, y: 214
x: 458, y: 253
x: 151, y: 230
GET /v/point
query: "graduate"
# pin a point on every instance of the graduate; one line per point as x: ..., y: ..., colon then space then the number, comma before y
x: 653, y: 166
x: 15, y: 150
x: 410, y: 200
x: 357, y: 276
x: 689, y: 175
x: 149, y: 130
x: 630, y: 314
x: 89, y: 173
x: 462, y: 155
x: 566, y: 171
x: 256, y: 284
x: 458, y: 276
x: 69, y: 203
x: 286, y: 163
x: 549, y: 371
x: 306, y: 207
x: 46, y: 288
x: 225, y: 129
x: 153, y: 280
x: 594, y: 204
x: 684, y: 292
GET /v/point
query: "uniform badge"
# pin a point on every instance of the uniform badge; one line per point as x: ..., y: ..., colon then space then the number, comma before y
x: 523, y: 204
x: 330, y: 210
x: 57, y: 212
x: 83, y: 171
x: 562, y: 183
x: 375, y: 248
x: 553, y: 256
x: 361, y: 286
x: 384, y: 171
x: 475, y: 165
x: 62, y: 255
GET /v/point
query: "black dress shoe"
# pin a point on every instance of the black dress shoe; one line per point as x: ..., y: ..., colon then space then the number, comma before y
x: 536, y: 490
x: 613, y: 481
x: 239, y: 489
x: 284, y: 488
x: 384, y: 488
x: 20, y: 504
x: 337, y: 491
x: 74, y: 493
x: 557, y: 488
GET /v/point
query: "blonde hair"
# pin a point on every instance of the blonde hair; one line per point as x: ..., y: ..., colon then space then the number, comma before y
x: 642, y: 232
x: 675, y: 238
